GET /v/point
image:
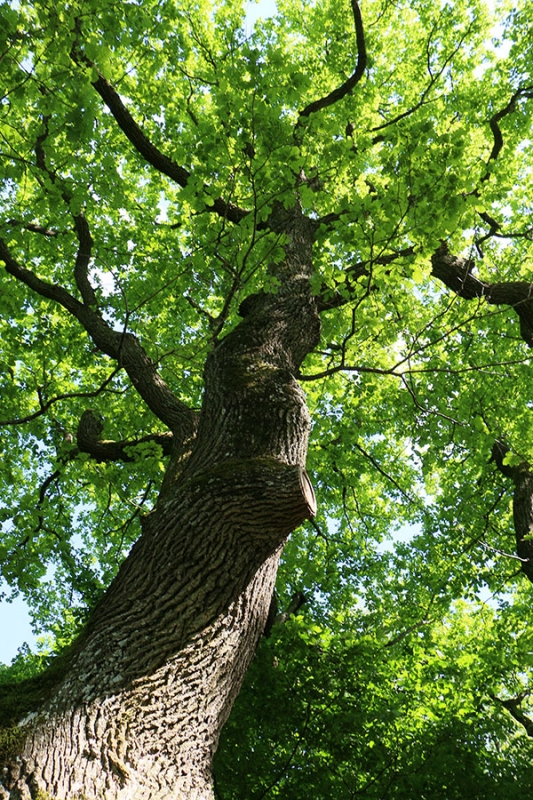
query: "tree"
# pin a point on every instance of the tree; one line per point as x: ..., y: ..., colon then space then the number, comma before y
x: 197, y: 222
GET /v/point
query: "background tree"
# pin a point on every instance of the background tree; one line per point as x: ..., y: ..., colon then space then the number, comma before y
x: 197, y: 222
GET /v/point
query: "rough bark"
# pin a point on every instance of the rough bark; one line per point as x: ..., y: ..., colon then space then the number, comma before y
x: 522, y: 477
x: 152, y: 679
x: 457, y: 274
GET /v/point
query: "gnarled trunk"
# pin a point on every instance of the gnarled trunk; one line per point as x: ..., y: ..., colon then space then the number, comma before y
x: 152, y: 680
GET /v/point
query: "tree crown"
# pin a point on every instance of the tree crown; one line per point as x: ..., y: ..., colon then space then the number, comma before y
x: 151, y: 155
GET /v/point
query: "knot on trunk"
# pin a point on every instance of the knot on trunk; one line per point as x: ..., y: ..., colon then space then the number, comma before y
x: 89, y: 430
x: 277, y: 498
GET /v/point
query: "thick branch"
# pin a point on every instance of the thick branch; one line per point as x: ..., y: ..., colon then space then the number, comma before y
x: 83, y: 259
x: 279, y: 618
x: 522, y: 478
x: 513, y: 707
x: 297, y: 601
x: 456, y: 273
x: 494, y: 122
x: 348, y: 86
x: 499, y: 451
x: 145, y: 147
x: 125, y: 348
x: 136, y: 135
x: 88, y: 440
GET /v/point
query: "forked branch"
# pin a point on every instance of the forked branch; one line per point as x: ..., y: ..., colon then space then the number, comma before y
x: 123, y: 347
x: 457, y: 274
x: 513, y: 706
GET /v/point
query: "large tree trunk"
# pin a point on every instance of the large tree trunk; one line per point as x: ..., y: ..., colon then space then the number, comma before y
x: 139, y: 710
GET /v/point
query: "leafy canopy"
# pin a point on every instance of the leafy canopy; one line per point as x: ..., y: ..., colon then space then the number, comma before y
x: 398, y: 644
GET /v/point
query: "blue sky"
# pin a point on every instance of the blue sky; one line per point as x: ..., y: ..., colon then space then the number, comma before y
x: 15, y: 629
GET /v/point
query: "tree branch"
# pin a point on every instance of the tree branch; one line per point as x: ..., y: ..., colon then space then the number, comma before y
x: 330, y: 298
x: 87, y: 438
x: 495, y: 230
x: 383, y: 473
x: 81, y: 226
x: 411, y: 629
x: 83, y: 259
x: 279, y: 618
x: 44, y: 406
x: 512, y: 705
x: 348, y: 86
x: 124, y: 347
x: 33, y: 227
x: 433, y: 80
x: 297, y: 601
x: 494, y: 122
x: 522, y: 478
x: 456, y: 274
x: 144, y: 146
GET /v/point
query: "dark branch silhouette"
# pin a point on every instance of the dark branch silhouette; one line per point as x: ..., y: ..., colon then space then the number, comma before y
x: 142, y: 144
x: 124, y: 347
x: 494, y: 122
x: 456, y: 273
x: 353, y: 80
x: 88, y: 440
x: 522, y: 477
